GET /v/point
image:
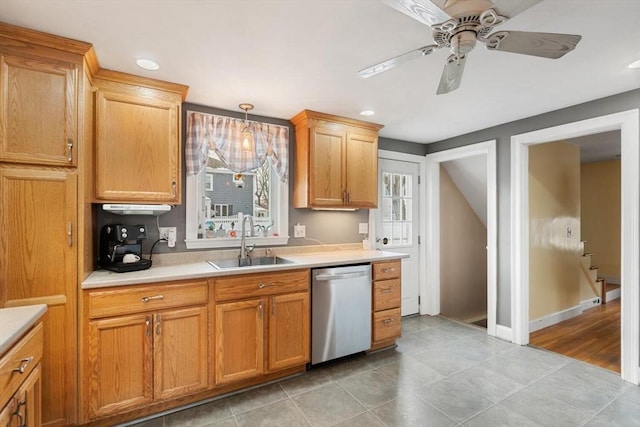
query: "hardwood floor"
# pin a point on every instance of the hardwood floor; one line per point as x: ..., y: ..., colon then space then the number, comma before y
x: 593, y: 337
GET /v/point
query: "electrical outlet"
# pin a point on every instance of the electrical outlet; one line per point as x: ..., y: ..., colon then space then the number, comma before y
x: 299, y: 231
x: 363, y: 227
x: 167, y: 232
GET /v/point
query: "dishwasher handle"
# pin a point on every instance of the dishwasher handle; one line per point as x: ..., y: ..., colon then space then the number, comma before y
x: 341, y: 276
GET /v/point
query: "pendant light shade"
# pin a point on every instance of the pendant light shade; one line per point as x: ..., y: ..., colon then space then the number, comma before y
x: 246, y: 142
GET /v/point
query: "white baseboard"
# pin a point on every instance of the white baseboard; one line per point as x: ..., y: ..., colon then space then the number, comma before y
x: 613, y: 294
x: 592, y: 302
x: 504, y: 333
x: 553, y: 318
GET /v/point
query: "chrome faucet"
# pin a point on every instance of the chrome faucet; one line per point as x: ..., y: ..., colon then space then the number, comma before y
x: 244, y: 252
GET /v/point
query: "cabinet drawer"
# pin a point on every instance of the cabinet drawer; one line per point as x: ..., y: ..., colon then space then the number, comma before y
x: 17, y: 364
x: 137, y: 299
x: 386, y: 270
x: 258, y: 285
x: 386, y: 294
x: 386, y: 324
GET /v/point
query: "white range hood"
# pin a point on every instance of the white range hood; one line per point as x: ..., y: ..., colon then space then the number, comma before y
x: 127, y: 209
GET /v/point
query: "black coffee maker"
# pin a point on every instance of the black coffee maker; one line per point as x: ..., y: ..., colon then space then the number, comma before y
x: 121, y: 248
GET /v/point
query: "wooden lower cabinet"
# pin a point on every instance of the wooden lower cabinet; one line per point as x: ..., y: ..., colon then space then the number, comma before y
x: 386, y: 316
x: 239, y: 340
x: 289, y: 327
x: 135, y: 360
x: 268, y: 331
x: 21, y: 383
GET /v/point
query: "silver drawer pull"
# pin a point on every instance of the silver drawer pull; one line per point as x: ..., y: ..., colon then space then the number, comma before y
x: 386, y: 290
x: 387, y: 322
x: 23, y: 365
x: 153, y: 298
x: 265, y: 285
x: 388, y: 270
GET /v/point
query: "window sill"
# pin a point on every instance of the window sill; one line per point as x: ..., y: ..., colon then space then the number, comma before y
x: 234, y: 242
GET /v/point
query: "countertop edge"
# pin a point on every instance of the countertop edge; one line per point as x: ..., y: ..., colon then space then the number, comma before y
x: 202, y: 269
x: 16, y: 321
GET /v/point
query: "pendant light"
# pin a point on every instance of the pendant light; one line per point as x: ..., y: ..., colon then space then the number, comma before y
x: 246, y: 141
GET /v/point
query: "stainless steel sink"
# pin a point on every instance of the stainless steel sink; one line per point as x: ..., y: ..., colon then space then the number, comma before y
x: 223, y: 264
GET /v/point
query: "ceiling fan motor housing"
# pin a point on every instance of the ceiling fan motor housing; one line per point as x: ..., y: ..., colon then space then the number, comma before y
x: 463, y: 42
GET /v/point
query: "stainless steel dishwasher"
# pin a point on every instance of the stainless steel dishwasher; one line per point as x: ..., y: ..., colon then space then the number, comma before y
x: 340, y: 312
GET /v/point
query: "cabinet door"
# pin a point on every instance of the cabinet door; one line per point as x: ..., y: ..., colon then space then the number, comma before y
x: 7, y: 414
x: 120, y: 364
x: 181, y: 351
x: 30, y: 398
x: 38, y: 110
x: 137, y: 149
x: 239, y: 340
x: 38, y: 264
x: 362, y: 170
x: 289, y: 328
x: 327, y: 167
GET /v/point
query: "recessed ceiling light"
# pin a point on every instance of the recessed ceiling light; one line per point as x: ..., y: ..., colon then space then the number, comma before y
x: 635, y: 64
x: 367, y: 113
x: 147, y: 64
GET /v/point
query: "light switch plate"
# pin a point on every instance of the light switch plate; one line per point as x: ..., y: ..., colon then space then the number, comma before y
x: 363, y: 227
x: 299, y: 231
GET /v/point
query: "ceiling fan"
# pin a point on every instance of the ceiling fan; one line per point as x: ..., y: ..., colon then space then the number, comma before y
x: 459, y: 24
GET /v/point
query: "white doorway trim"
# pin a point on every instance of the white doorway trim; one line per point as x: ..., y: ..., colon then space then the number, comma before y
x: 432, y: 291
x: 421, y: 161
x: 628, y: 123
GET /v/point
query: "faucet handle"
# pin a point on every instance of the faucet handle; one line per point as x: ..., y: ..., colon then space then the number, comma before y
x: 249, y: 249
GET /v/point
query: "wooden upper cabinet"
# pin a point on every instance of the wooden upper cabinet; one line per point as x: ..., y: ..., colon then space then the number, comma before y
x: 38, y: 108
x: 138, y: 147
x: 336, y: 162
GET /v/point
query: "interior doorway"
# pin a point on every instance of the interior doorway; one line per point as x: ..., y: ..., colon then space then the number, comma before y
x: 433, y: 241
x: 463, y: 246
x: 628, y: 124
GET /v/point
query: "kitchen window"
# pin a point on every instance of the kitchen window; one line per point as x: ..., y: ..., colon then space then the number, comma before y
x: 219, y: 194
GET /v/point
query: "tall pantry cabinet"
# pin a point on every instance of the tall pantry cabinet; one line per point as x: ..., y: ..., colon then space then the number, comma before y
x: 43, y: 85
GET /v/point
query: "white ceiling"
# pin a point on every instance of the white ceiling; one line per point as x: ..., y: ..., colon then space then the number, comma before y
x: 288, y: 55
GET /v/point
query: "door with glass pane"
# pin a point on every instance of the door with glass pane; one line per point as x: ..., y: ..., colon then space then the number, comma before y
x: 397, y: 222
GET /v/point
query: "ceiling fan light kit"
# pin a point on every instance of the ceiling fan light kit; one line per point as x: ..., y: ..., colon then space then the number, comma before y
x: 460, y: 24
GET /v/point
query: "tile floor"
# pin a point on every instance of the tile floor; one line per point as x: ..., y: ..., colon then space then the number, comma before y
x: 442, y: 373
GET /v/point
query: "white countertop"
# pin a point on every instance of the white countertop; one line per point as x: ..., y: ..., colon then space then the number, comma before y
x: 15, y: 321
x: 202, y: 269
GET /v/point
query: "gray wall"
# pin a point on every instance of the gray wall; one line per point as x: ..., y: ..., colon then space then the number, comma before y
x: 599, y: 107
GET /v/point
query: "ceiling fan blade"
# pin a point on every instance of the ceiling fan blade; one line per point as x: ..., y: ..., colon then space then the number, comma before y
x: 510, y: 8
x: 390, y: 63
x: 451, y: 75
x: 545, y: 45
x: 428, y: 12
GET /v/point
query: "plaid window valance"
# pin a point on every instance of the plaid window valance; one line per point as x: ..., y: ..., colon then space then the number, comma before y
x: 223, y: 135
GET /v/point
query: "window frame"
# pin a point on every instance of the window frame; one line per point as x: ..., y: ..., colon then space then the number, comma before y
x: 279, y: 196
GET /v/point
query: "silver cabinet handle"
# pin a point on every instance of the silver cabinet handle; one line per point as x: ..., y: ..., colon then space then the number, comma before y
x: 158, y: 324
x: 388, y: 270
x: 147, y: 322
x: 265, y: 285
x: 23, y: 365
x: 387, y: 322
x: 260, y: 310
x: 69, y: 234
x: 386, y: 290
x: 173, y: 188
x: 69, y: 150
x: 153, y: 298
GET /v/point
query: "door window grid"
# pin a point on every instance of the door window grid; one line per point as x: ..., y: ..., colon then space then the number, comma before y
x: 397, y: 206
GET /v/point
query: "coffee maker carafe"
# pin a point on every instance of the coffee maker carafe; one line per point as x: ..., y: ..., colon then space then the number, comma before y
x: 121, y: 248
